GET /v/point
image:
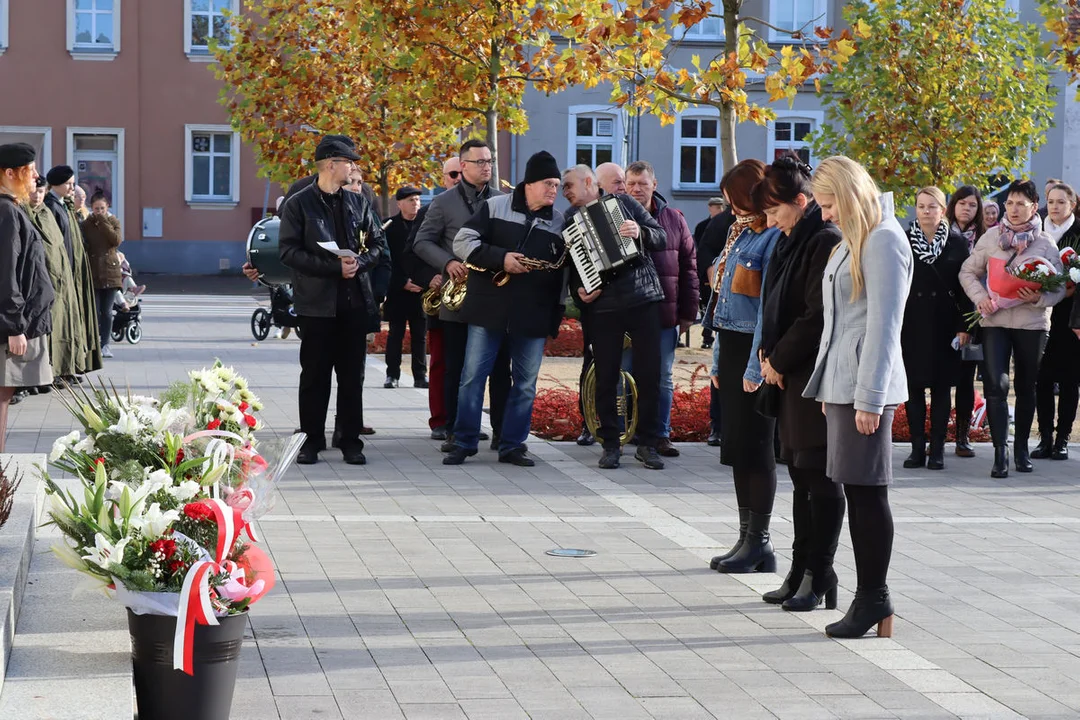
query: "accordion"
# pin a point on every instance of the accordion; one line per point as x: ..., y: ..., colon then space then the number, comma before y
x: 593, y: 241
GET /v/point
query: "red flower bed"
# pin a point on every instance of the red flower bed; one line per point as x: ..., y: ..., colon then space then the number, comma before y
x: 378, y: 345
x: 570, y: 342
x: 901, y: 433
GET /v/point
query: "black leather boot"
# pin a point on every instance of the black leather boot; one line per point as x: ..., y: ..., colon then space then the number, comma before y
x: 1061, y: 448
x: 917, y: 458
x: 802, y: 519
x: 820, y: 582
x: 811, y: 594
x: 963, y: 443
x: 1044, y: 449
x: 869, y: 608
x: 1001, y: 462
x: 1021, y: 456
x: 744, y: 516
x: 935, y: 460
x: 756, y: 553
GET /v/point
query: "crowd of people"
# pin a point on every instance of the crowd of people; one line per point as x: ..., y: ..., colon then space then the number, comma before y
x: 61, y: 277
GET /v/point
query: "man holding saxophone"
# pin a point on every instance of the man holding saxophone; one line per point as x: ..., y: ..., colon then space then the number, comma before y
x: 513, y: 300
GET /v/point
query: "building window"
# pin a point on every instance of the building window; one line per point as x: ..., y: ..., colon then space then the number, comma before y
x: 790, y: 132
x: 93, y: 29
x: 3, y: 26
x: 709, y: 28
x: 206, y: 21
x: 795, y: 15
x: 594, y: 140
x: 698, y: 152
x: 212, y: 165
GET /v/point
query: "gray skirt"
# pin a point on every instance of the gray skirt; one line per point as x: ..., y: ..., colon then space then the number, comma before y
x: 30, y: 369
x: 854, y: 458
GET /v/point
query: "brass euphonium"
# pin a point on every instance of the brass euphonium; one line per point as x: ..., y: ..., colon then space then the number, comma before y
x: 431, y: 300
x: 626, y: 402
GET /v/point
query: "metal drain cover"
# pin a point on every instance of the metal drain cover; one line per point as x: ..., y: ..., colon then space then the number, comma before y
x: 571, y: 552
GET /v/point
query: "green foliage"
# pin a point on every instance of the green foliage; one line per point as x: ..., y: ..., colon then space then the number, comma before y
x: 940, y: 92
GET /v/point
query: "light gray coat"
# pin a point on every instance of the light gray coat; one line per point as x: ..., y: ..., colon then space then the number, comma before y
x: 434, y: 241
x: 859, y: 361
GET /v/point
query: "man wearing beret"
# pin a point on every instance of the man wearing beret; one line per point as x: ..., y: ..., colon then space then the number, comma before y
x: 403, y: 300
x: 518, y: 314
x: 60, y: 200
x: 334, y: 295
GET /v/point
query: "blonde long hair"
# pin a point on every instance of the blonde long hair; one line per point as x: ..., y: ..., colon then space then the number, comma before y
x: 858, y: 206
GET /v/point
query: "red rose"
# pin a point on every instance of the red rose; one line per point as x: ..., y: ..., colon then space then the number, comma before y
x: 213, y: 424
x: 164, y: 546
x: 198, y: 512
x: 244, y: 407
x: 250, y: 420
x: 175, y: 565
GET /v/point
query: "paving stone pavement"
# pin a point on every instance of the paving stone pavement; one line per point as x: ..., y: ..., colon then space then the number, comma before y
x: 412, y: 590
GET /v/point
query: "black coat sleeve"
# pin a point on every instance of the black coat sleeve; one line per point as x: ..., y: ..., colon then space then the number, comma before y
x: 377, y: 258
x: 797, y: 347
x: 1074, y: 319
x: 12, y: 302
x: 293, y: 249
x: 652, y: 236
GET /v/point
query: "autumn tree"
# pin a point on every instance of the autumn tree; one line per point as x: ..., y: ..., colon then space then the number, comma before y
x: 940, y: 92
x: 638, y: 50
x: 295, y: 71
x: 1063, y: 22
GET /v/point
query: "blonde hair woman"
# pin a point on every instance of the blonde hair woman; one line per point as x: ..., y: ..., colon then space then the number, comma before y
x: 859, y: 373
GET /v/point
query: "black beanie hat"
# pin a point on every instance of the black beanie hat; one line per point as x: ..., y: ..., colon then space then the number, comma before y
x: 16, y: 155
x: 59, y: 175
x: 541, y: 166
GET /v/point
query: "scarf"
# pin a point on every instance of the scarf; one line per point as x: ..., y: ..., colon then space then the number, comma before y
x: 742, y: 222
x: 1056, y: 231
x: 968, y: 234
x: 928, y: 252
x: 1016, y: 238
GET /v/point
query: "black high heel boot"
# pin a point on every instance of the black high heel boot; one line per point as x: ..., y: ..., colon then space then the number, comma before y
x: 744, y: 514
x: 917, y: 458
x: 869, y: 608
x: 1001, y: 462
x: 756, y: 553
x: 935, y: 460
x: 1061, y: 448
x: 802, y: 519
x: 963, y: 442
x: 812, y: 593
x: 1021, y: 456
x: 1044, y: 449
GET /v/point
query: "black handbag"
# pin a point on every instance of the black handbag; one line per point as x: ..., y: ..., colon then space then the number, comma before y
x: 767, y: 402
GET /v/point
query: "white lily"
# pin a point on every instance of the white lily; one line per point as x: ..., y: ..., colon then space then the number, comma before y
x: 93, y: 419
x: 128, y: 424
x: 86, y: 445
x: 153, y: 522
x: 67, y: 555
x: 1074, y: 274
x: 105, y: 552
x: 157, y: 481
x: 59, y: 509
x: 186, y: 490
x: 62, y: 445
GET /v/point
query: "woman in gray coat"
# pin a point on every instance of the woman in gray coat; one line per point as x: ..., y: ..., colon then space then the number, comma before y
x: 859, y: 374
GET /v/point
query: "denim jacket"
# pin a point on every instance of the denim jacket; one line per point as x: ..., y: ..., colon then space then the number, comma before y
x: 738, y: 301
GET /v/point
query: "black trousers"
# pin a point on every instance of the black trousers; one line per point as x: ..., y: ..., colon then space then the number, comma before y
x: 965, y: 393
x: 329, y: 345
x: 607, y: 329
x: 455, y: 339
x: 1067, y: 399
x: 871, y: 524
x: 1025, y: 348
x: 940, y: 404
x: 714, y: 407
x: 413, y: 315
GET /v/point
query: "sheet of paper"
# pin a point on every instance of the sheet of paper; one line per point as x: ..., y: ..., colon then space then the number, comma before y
x: 333, y: 247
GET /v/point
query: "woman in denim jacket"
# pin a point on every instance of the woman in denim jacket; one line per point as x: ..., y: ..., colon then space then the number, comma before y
x: 735, y: 313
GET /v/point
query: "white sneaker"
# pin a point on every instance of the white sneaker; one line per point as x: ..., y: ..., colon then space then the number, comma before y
x: 106, y: 352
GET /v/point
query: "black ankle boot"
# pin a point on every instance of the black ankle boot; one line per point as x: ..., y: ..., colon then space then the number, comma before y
x: 917, y: 458
x: 1001, y: 462
x: 812, y: 592
x: 1061, y: 448
x: 744, y: 515
x: 1021, y: 457
x: 869, y: 608
x: 1044, y: 449
x: 756, y: 553
x: 963, y: 443
x: 935, y: 460
x: 802, y: 520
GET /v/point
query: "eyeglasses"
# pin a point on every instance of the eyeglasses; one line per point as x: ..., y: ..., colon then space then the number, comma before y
x: 480, y: 163
x: 453, y: 174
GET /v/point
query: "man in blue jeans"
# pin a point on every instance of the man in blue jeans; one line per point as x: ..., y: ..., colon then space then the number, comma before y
x: 510, y: 302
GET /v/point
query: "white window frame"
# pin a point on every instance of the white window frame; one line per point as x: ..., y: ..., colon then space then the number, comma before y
x: 687, y: 34
x: 698, y: 113
x: 44, y: 162
x: 618, y: 131
x: 118, y: 189
x: 212, y: 203
x: 86, y: 52
x: 4, y: 6
x: 197, y: 53
x: 821, y: 18
x: 817, y: 117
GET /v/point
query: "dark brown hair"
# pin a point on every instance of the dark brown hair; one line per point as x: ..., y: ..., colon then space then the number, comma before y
x: 739, y: 182
x: 1069, y: 193
x: 963, y: 193
x: 784, y: 180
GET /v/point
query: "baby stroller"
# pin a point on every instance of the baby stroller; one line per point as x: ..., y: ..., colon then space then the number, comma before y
x: 281, y: 313
x: 126, y: 322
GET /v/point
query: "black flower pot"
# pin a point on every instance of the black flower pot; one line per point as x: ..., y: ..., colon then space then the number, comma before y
x: 166, y: 694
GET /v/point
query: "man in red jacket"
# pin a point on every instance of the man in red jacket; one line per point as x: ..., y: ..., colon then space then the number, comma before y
x: 676, y: 265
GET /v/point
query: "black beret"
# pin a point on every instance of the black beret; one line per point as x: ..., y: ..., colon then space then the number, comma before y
x: 42, y: 182
x: 16, y: 155
x: 406, y: 191
x: 336, y: 146
x: 59, y: 175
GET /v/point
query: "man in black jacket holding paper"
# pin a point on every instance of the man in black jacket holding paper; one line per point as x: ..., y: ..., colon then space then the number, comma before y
x: 336, y: 296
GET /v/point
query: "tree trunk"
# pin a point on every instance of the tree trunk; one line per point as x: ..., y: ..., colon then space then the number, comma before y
x: 728, y: 152
x: 491, y: 117
x: 384, y: 191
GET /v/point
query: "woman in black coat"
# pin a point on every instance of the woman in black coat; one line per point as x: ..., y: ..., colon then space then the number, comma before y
x: 1061, y: 361
x: 934, y: 326
x: 791, y: 326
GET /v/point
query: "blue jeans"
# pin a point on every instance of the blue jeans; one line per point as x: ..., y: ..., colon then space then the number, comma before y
x: 669, y: 340
x: 526, y: 354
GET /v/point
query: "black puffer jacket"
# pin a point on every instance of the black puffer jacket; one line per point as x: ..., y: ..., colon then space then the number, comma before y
x: 529, y: 304
x: 628, y: 287
x: 26, y: 292
x: 306, y: 221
